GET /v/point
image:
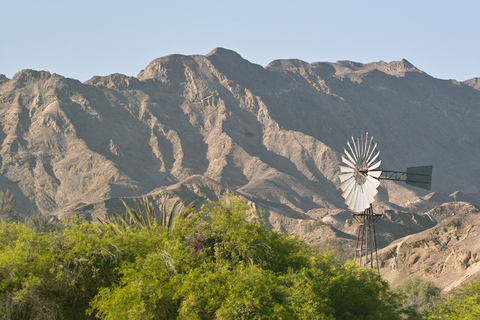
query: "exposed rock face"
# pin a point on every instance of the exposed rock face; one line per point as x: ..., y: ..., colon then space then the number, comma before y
x: 448, y: 253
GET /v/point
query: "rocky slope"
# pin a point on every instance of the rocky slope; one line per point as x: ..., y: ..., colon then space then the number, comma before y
x: 448, y: 253
x: 196, y: 127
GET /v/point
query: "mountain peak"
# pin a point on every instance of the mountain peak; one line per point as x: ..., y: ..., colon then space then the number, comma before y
x: 222, y: 52
x: 3, y: 78
x: 394, y: 68
x: 163, y: 68
x: 28, y: 75
x: 222, y: 58
x: 287, y: 64
x: 172, y: 66
x: 115, y: 80
x: 407, y: 63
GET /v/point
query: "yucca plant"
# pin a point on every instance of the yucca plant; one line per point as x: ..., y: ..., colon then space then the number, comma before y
x: 145, y: 216
x: 177, y: 211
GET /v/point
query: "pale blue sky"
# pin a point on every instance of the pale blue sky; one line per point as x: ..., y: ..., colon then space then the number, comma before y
x: 81, y: 39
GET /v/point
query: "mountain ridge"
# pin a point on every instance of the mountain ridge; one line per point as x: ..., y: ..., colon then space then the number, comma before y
x: 201, y: 87
x: 196, y: 127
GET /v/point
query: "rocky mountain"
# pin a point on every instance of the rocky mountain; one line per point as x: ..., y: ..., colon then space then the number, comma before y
x: 448, y: 253
x: 198, y: 127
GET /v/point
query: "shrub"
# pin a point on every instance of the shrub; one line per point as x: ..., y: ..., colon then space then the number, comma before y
x: 463, y: 304
x: 420, y: 294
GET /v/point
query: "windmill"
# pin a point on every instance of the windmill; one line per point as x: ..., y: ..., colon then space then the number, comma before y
x: 359, y: 182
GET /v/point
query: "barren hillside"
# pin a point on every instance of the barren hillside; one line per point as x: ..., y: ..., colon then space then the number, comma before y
x: 448, y: 253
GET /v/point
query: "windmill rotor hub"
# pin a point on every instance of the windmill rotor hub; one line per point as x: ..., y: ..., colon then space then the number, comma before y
x: 361, y: 174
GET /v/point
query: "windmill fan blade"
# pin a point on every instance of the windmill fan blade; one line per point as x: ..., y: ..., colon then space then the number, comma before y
x: 365, y: 145
x: 371, y: 192
x: 360, y: 147
x: 359, y: 150
x: 344, y: 177
x: 346, y: 169
x: 346, y: 161
x: 374, y: 182
x: 375, y: 165
x: 375, y: 174
x: 353, y: 200
x: 358, y: 201
x: 372, y: 151
x: 351, y: 150
x: 348, y: 188
x: 371, y: 185
x: 367, y: 153
x: 357, y: 154
x: 349, y: 156
x: 373, y: 159
x: 351, y: 196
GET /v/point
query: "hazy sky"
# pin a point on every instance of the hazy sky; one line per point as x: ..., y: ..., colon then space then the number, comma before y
x: 81, y: 39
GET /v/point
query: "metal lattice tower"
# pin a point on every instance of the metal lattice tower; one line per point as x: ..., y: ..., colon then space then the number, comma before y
x: 366, y: 247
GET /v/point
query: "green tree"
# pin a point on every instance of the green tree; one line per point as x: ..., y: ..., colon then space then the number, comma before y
x: 40, y: 222
x: 54, y: 275
x: 357, y: 293
x: 463, y: 304
x: 420, y: 294
x: 224, y: 263
x: 146, y: 290
x: 229, y: 265
x: 336, y: 246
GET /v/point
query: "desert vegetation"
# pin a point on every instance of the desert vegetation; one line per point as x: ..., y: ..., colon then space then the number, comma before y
x: 222, y: 262
x: 462, y: 304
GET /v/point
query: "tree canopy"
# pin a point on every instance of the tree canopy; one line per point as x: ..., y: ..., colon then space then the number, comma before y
x: 223, y: 262
x: 463, y: 304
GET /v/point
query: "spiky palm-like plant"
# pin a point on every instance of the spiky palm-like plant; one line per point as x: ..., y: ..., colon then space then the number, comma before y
x: 177, y: 211
x: 145, y: 217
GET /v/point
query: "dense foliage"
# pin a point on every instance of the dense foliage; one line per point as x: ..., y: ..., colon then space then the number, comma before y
x: 463, y: 304
x: 221, y: 263
x: 420, y: 294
